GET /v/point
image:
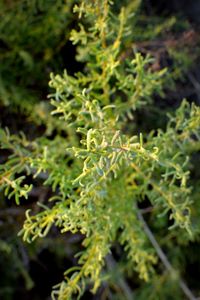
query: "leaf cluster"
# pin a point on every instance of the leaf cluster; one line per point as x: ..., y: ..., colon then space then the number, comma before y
x: 100, y: 173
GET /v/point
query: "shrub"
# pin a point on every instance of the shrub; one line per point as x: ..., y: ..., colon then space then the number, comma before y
x: 104, y: 170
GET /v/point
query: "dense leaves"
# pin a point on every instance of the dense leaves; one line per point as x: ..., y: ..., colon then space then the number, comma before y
x: 100, y: 165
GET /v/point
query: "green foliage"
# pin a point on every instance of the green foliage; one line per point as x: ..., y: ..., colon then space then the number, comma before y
x: 99, y: 169
x: 32, y: 33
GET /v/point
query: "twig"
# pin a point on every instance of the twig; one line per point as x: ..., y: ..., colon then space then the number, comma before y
x: 196, y: 85
x: 163, y: 257
x: 122, y: 283
x: 146, y: 210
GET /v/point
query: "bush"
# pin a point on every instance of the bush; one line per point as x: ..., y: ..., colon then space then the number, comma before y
x: 112, y: 177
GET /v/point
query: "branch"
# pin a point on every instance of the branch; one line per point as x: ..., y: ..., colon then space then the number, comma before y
x: 163, y: 257
x: 111, y: 264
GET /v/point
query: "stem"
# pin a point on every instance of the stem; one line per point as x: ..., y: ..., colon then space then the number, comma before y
x: 111, y: 263
x: 163, y: 257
